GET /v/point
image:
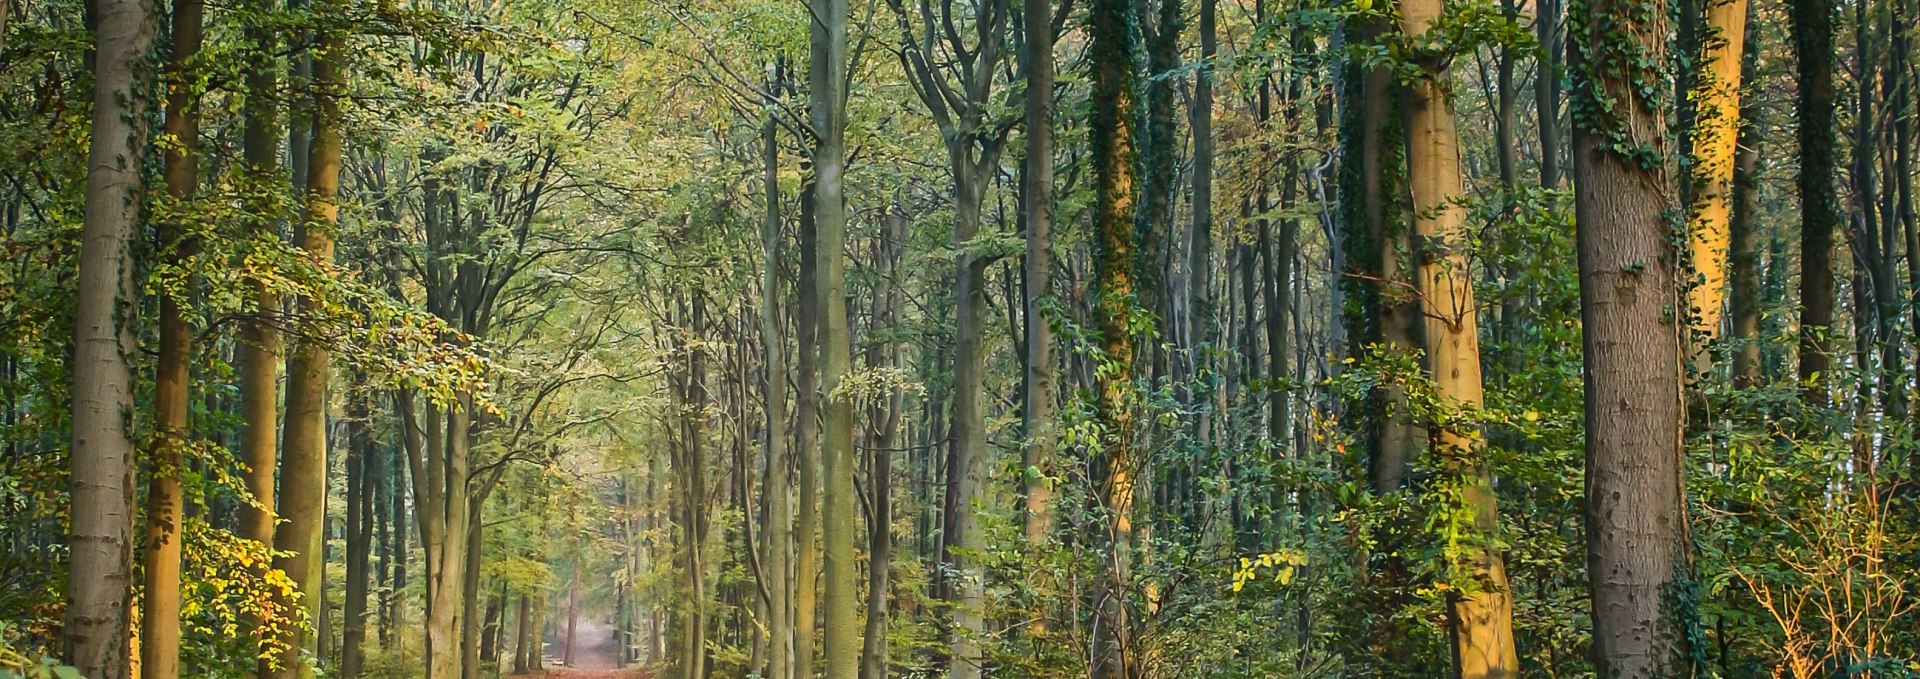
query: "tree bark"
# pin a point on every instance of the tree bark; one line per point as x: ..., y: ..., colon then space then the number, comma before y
x: 1037, y: 416
x: 1715, y: 133
x: 827, y: 84
x: 160, y: 611
x: 1113, y: 69
x: 1635, y: 514
x: 100, y: 546
x: 1812, y: 22
x: 303, y: 466
x: 1482, y: 611
x: 779, y: 480
x: 1744, y: 282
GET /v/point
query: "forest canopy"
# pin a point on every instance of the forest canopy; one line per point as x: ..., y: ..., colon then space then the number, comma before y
x: 1120, y: 339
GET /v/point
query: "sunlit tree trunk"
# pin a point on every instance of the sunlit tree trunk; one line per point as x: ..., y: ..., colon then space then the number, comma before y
x: 1635, y: 514
x: 259, y: 369
x: 160, y: 611
x: 100, y: 527
x: 1482, y: 612
x: 303, y: 466
x: 1716, y: 129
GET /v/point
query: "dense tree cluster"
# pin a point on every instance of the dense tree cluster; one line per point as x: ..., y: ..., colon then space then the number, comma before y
x: 902, y: 338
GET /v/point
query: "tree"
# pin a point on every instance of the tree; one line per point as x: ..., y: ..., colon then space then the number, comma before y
x: 100, y: 535
x: 303, y: 467
x: 160, y: 612
x: 1112, y: 67
x: 1482, y: 615
x: 1635, y: 513
x: 826, y: 84
x: 1716, y: 131
x: 1819, y: 211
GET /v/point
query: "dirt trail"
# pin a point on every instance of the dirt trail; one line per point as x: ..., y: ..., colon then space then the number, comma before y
x: 595, y: 655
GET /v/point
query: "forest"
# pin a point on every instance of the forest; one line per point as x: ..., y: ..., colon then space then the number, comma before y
x: 874, y: 339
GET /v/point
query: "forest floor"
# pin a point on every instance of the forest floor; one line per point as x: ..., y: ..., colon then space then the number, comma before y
x: 595, y: 657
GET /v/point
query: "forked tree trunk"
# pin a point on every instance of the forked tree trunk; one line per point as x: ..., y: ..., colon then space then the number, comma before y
x: 778, y: 486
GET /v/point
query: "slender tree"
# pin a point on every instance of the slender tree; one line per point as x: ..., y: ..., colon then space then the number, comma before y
x: 1482, y: 614
x: 160, y: 611
x: 1812, y: 22
x: 1113, y: 65
x: 303, y: 467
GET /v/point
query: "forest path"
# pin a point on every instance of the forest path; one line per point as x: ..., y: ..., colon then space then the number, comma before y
x: 595, y: 656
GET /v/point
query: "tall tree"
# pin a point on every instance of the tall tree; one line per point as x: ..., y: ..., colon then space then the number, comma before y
x: 1743, y: 227
x: 778, y: 486
x: 160, y: 611
x: 1812, y: 22
x: 1635, y: 512
x: 100, y: 545
x: 1482, y: 613
x: 955, y: 80
x: 1715, y: 133
x: 1113, y: 67
x: 300, y: 536
x: 826, y: 84
x: 1037, y: 413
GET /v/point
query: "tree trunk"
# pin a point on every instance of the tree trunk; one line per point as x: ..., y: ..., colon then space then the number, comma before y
x: 1716, y: 129
x: 1812, y: 22
x: 886, y: 424
x: 100, y: 545
x: 1635, y: 514
x: 1744, y: 283
x: 259, y: 369
x: 1481, y: 615
x: 573, y: 617
x: 779, y: 480
x: 807, y: 443
x: 827, y: 85
x: 303, y: 466
x: 1037, y: 415
x: 359, y: 462
x: 524, y: 645
x: 160, y: 611
x: 1546, y: 89
x: 1111, y: 127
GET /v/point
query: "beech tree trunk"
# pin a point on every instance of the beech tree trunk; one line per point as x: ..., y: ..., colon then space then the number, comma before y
x: 1716, y: 129
x: 827, y: 85
x: 303, y: 466
x: 779, y: 480
x: 99, y: 581
x: 1482, y: 611
x: 160, y: 611
x: 1037, y: 416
